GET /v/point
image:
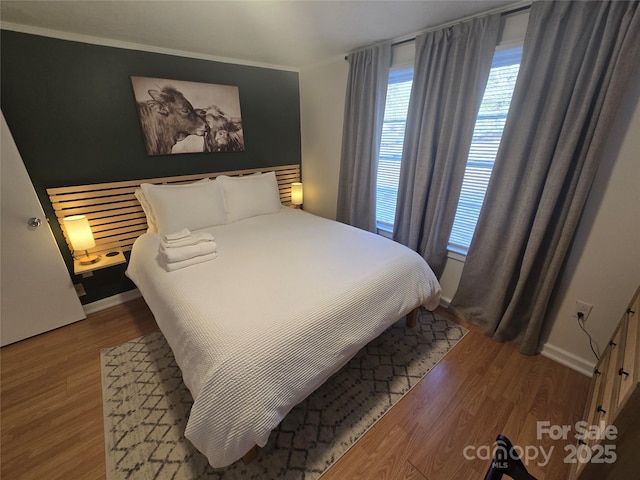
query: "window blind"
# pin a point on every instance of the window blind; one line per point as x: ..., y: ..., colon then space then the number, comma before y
x: 487, y: 135
x: 391, y: 142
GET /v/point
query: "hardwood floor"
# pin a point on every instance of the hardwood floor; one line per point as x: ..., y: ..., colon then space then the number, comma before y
x: 52, y: 426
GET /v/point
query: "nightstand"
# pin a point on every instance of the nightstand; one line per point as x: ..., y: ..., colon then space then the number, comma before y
x: 108, y: 258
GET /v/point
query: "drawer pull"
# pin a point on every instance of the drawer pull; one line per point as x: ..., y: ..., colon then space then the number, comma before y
x: 600, y: 409
x: 612, y: 343
x: 622, y: 372
x: 597, y: 372
x: 630, y: 311
x: 582, y: 442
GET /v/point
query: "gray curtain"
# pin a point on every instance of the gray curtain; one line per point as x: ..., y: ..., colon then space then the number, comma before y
x: 577, y: 60
x: 363, y: 118
x: 451, y: 71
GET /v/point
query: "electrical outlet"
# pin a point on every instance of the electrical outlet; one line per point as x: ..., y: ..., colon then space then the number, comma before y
x: 584, y: 308
x: 79, y: 289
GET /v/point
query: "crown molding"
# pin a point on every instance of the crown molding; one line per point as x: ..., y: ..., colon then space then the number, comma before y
x: 107, y: 42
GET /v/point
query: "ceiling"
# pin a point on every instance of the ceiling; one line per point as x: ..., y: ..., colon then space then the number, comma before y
x: 288, y: 34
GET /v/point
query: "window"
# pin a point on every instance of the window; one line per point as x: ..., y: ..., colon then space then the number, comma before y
x: 484, y: 146
x: 395, y: 119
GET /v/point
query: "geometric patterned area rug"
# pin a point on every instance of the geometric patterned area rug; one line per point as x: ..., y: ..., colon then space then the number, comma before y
x: 146, y: 407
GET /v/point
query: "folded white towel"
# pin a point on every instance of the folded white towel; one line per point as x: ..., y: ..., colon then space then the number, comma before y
x: 176, y: 236
x: 184, y: 253
x: 170, y: 267
x: 193, y: 239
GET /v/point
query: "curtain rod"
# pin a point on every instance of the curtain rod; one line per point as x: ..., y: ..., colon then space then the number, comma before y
x: 502, y: 14
x: 444, y: 25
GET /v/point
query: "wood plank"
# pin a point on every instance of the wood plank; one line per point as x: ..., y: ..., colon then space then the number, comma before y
x: 83, y: 209
x: 51, y: 408
x: 135, y: 210
x: 412, y: 318
x: 107, y: 205
x: 66, y: 197
x: 52, y: 399
x: 117, y: 229
x: 251, y: 455
x: 97, y: 221
x: 105, y: 200
x: 467, y: 400
x: 118, y: 225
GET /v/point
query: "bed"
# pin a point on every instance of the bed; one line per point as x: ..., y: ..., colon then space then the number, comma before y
x: 288, y: 299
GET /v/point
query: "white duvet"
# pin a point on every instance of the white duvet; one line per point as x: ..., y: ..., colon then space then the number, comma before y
x: 290, y: 298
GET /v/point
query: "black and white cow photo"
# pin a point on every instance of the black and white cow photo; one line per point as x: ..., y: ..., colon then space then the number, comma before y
x: 187, y: 117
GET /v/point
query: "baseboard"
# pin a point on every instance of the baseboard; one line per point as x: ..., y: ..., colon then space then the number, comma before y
x: 568, y: 359
x: 554, y: 353
x: 111, y: 301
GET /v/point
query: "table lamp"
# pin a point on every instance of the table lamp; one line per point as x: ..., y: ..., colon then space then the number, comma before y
x: 81, y: 238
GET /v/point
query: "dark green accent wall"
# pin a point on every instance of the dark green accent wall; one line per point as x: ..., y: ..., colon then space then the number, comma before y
x: 71, y: 110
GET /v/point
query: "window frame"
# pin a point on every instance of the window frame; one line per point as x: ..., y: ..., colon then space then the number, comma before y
x: 401, y: 71
x: 403, y: 57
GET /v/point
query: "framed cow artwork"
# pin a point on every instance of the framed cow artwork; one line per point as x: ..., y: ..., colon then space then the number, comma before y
x: 186, y: 117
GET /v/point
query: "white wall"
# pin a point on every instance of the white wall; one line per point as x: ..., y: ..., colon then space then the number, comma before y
x: 322, y: 95
x: 603, y: 265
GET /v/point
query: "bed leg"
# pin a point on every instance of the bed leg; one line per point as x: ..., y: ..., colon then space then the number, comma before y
x: 412, y: 318
x: 250, y: 455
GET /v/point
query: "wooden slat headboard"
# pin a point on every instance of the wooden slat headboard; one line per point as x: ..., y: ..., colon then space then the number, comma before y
x: 115, y: 215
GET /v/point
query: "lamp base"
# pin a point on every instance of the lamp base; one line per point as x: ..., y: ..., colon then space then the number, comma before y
x: 89, y: 259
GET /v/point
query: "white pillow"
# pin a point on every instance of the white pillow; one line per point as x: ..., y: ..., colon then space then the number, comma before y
x: 250, y: 195
x: 152, y: 224
x: 193, y: 206
x: 151, y: 221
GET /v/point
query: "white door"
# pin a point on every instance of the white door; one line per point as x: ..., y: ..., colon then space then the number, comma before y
x: 36, y: 293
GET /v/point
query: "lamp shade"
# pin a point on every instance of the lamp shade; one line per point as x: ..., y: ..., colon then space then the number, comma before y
x: 79, y: 232
x: 296, y: 193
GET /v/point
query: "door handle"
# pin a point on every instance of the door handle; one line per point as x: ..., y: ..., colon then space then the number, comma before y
x: 34, y: 222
